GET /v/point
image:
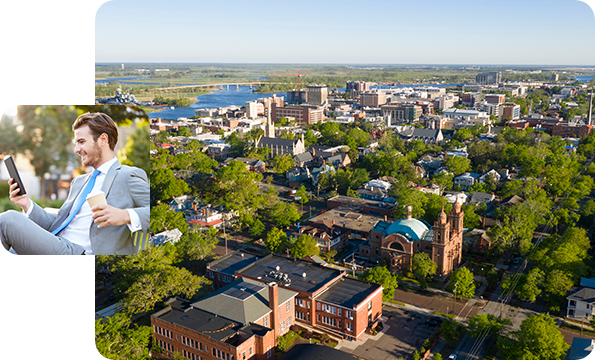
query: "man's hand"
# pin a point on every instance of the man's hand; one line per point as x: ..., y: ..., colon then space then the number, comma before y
x: 20, y: 200
x: 106, y: 215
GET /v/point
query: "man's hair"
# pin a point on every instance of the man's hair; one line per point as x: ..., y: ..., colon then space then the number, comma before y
x: 99, y: 123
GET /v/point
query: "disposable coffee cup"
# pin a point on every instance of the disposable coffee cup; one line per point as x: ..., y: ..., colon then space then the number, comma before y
x: 96, y: 198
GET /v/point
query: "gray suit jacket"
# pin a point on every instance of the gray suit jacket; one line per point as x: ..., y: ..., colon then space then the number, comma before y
x: 125, y: 187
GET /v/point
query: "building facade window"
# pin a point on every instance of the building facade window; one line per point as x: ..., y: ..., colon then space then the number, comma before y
x: 265, y: 321
x: 288, y: 306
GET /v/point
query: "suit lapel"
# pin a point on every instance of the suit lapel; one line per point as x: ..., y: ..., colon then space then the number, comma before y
x: 110, y: 177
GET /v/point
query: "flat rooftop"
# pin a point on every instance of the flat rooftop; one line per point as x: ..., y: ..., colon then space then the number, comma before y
x: 346, y: 216
x: 213, y: 326
x: 233, y: 262
x: 316, y: 277
x: 348, y: 292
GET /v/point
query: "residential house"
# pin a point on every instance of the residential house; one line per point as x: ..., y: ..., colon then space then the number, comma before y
x: 202, y: 218
x: 466, y: 180
x: 482, y: 198
x: 377, y: 190
x: 253, y: 165
x: 167, y: 236
x: 581, y: 349
x: 476, y: 240
x: 580, y: 304
x: 493, y: 173
x: 328, y: 236
x: 181, y: 203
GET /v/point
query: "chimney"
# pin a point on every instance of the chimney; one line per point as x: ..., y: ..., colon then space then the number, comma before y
x: 385, y: 218
x: 194, y: 206
x: 204, y: 212
x: 333, y: 221
x: 274, y: 305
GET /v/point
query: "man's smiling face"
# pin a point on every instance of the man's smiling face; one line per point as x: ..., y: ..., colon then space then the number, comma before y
x: 87, y: 148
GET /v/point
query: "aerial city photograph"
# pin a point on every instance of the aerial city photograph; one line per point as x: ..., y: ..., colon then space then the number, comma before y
x: 390, y: 180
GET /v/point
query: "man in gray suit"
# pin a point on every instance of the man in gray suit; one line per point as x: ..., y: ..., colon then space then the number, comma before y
x: 77, y: 228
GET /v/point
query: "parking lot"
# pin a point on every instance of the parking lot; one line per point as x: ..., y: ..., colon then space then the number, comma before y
x: 406, y: 333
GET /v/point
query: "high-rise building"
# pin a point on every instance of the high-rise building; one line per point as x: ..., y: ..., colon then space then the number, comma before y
x: 395, y: 114
x: 495, y: 98
x: 488, y: 78
x: 357, y: 85
x: 317, y: 94
x: 372, y: 99
x: 297, y: 97
x: 510, y: 111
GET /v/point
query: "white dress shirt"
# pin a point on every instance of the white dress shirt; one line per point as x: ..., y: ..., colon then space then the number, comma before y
x: 77, y: 231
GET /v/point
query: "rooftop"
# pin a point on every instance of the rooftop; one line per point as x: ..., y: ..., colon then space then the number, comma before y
x: 315, y: 277
x: 360, y: 202
x: 233, y: 262
x: 412, y: 229
x: 215, y: 327
x: 243, y: 300
x: 348, y: 292
x: 346, y: 217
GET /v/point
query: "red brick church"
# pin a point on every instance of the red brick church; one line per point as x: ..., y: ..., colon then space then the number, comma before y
x: 398, y: 241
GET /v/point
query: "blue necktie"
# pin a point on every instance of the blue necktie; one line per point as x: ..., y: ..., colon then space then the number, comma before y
x: 79, y: 202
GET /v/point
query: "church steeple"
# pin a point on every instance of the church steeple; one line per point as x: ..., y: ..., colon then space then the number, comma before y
x: 441, y: 229
x: 455, y: 218
x: 270, y: 128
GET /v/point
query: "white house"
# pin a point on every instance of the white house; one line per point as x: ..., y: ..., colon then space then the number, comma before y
x: 466, y: 180
x: 580, y: 304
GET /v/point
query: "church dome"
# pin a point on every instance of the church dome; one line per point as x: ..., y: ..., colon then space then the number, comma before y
x: 412, y: 229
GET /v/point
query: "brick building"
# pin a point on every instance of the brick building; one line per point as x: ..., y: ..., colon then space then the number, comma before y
x: 372, y: 99
x: 240, y: 321
x: 398, y: 241
x: 325, y: 299
x: 302, y: 114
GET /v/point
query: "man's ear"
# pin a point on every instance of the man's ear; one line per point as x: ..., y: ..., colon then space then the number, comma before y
x: 103, y: 139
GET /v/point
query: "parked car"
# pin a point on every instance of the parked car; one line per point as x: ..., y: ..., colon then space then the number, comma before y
x: 452, y: 357
x: 433, y: 321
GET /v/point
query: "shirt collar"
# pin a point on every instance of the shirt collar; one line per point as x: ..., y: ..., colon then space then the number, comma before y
x: 106, y: 166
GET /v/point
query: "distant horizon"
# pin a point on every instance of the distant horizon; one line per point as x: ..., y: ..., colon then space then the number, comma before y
x: 339, y: 64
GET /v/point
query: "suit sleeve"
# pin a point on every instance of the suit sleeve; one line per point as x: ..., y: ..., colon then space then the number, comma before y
x: 42, y: 217
x: 138, y: 185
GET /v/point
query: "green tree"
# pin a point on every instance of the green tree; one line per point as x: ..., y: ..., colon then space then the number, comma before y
x: 165, y: 185
x: 257, y: 228
x: 284, y: 214
x: 44, y: 133
x: 305, y: 245
x: 457, y: 165
x: 119, y: 339
x: 381, y: 275
x: 464, y: 278
x: 537, y: 339
x: 162, y: 218
x: 184, y: 131
x: 196, y: 245
x: 423, y: 267
x: 151, y: 288
x: 302, y: 194
x: 492, y: 278
x: 443, y: 180
x: 481, y: 322
x: 283, y: 163
x: 136, y: 150
x: 276, y: 240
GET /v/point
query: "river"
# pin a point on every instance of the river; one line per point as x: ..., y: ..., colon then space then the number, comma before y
x: 239, y: 97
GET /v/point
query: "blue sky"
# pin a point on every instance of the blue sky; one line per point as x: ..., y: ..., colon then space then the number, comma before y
x: 544, y: 32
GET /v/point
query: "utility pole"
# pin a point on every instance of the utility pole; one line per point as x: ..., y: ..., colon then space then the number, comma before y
x: 225, y: 237
x: 454, y: 302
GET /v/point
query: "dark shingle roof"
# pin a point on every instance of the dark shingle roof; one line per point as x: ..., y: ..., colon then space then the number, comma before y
x: 243, y: 300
